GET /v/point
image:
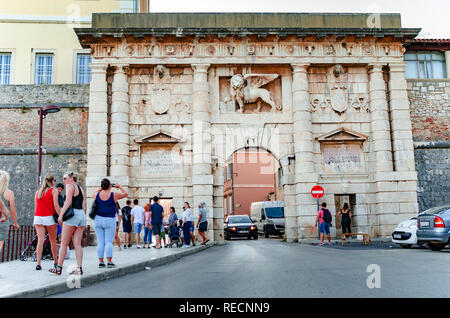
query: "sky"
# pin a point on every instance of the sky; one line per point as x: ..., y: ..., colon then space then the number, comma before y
x: 430, y: 15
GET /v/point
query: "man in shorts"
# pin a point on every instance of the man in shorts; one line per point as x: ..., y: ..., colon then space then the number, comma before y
x: 156, y: 214
x: 137, y: 218
x: 324, y: 225
x: 126, y: 224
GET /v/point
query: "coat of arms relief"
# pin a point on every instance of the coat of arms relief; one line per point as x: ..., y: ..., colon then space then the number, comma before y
x: 157, y: 89
x: 337, y: 95
x: 247, y: 89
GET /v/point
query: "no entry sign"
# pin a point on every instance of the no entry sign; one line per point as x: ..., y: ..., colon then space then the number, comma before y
x: 317, y: 192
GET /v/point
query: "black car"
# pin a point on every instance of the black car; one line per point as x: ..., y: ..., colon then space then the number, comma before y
x: 240, y: 226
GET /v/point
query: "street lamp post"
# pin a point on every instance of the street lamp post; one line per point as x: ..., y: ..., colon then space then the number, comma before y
x: 43, y: 111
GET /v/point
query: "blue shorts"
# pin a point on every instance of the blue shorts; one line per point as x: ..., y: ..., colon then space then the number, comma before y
x: 78, y: 219
x: 137, y: 228
x: 324, y: 227
x: 192, y: 229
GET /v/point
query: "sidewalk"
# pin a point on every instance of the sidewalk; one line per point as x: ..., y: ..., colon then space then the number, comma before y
x: 20, y: 279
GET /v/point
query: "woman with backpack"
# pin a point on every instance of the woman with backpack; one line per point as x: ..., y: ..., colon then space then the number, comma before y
x: 346, y: 218
x: 324, y: 216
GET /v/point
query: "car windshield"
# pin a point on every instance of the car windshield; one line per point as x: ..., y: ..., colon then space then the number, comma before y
x: 239, y: 219
x: 437, y: 210
x: 275, y: 212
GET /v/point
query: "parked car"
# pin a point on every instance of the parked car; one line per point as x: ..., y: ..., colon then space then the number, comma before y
x: 269, y: 217
x: 433, y: 227
x: 240, y: 226
x: 405, y: 234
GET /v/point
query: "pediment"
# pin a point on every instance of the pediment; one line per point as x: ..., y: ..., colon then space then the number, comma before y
x: 158, y: 136
x: 342, y: 134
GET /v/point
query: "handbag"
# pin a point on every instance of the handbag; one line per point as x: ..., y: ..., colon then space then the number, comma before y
x: 93, y: 211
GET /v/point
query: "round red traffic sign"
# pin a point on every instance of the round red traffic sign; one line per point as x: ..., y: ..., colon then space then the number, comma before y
x: 317, y: 192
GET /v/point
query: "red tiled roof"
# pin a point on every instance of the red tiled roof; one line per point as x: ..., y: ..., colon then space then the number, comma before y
x: 430, y: 41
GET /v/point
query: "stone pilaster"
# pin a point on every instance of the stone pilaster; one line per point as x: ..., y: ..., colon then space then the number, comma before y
x: 381, y: 137
x: 403, y: 145
x: 305, y: 175
x: 97, y: 127
x: 202, y: 177
x: 120, y: 126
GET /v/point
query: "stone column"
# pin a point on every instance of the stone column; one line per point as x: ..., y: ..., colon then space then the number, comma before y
x: 202, y: 177
x: 97, y: 130
x: 97, y: 127
x: 305, y: 175
x: 403, y: 145
x: 120, y: 134
x: 381, y: 137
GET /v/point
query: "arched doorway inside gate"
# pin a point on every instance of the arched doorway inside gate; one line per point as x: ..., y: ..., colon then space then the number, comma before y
x: 252, y: 174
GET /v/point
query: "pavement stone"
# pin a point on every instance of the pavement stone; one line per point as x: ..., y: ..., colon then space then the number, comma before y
x: 19, y: 279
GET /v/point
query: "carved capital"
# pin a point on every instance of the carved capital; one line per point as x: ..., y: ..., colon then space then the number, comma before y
x: 375, y: 67
x: 300, y: 67
x: 200, y: 68
x: 397, y: 67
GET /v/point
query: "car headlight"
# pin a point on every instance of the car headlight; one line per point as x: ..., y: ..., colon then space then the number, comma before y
x: 413, y: 226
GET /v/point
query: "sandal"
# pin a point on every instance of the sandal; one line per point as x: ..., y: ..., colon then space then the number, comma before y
x: 57, y: 270
x: 77, y: 271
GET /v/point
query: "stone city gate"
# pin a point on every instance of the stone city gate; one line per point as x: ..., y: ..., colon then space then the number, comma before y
x: 173, y: 95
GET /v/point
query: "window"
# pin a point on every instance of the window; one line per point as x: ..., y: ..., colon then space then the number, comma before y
x: 43, y: 68
x: 83, y: 69
x: 5, y: 68
x: 425, y: 65
x: 129, y: 6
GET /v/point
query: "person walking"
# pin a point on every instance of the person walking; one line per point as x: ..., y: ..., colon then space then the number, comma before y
x: 4, y: 213
x: 147, y: 228
x: 118, y: 220
x: 73, y: 227
x: 346, y: 218
x: 156, y: 213
x: 61, y: 199
x: 202, y: 224
x: 137, y: 218
x: 127, y: 226
x: 46, y: 203
x: 105, y: 222
x: 324, y: 216
x: 188, y: 219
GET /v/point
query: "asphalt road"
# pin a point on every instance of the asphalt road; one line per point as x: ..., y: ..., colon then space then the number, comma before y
x: 272, y: 268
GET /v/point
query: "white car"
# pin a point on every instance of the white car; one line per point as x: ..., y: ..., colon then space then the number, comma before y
x: 405, y: 233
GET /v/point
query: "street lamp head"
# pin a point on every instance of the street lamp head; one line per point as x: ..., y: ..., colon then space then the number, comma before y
x: 51, y: 109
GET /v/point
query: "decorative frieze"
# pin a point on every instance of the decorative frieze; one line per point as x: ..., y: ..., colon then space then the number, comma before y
x: 223, y: 49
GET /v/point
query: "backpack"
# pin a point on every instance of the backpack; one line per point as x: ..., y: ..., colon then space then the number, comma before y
x: 326, y: 216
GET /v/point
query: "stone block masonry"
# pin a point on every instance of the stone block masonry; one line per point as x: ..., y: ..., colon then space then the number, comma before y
x: 430, y: 117
x: 64, y: 137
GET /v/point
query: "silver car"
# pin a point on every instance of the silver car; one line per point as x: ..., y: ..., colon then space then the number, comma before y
x: 433, y: 227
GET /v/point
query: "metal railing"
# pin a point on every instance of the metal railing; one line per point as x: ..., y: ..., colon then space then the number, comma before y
x: 17, y: 241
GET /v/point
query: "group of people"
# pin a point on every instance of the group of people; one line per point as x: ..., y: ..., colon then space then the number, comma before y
x: 151, y: 220
x: 324, y: 219
x: 56, y: 214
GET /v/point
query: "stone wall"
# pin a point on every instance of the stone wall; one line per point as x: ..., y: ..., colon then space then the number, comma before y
x: 64, y: 137
x: 430, y: 116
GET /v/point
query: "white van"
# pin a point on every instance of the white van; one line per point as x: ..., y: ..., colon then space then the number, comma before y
x: 268, y: 217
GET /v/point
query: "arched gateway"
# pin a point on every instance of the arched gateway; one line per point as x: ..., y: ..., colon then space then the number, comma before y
x: 173, y: 95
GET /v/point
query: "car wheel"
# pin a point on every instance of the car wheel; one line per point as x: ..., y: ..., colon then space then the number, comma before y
x: 421, y: 244
x: 227, y: 237
x: 266, y: 234
x: 406, y: 245
x: 436, y: 246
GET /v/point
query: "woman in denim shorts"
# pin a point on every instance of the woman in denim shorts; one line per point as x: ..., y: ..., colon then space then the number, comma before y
x: 72, y: 228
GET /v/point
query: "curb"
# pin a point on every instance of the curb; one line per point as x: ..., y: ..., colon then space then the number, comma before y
x: 91, y: 279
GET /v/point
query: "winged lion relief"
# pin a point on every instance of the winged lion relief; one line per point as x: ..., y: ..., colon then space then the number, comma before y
x: 246, y: 89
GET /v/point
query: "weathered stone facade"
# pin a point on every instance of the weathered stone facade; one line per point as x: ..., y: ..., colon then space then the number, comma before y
x: 430, y: 116
x: 331, y: 106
